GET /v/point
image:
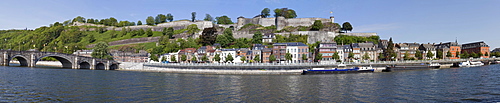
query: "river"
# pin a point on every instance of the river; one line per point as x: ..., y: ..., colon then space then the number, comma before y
x: 24, y: 84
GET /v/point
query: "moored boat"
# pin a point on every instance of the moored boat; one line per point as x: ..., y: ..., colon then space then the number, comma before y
x: 338, y: 70
x: 471, y: 64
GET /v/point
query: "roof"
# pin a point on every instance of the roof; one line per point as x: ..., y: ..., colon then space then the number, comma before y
x: 355, y: 45
x: 291, y: 44
x: 366, y: 45
x: 428, y: 46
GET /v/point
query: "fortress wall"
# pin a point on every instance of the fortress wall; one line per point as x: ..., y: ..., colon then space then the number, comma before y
x: 267, y: 21
x: 360, y: 34
x: 304, y: 21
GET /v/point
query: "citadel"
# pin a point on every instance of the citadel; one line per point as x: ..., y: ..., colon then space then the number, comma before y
x: 326, y: 34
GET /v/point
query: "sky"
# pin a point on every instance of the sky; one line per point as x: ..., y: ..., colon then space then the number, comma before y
x: 406, y: 21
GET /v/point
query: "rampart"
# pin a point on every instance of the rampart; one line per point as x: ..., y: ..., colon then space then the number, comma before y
x: 280, y: 22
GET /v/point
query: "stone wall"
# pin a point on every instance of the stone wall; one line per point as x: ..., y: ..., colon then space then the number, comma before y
x: 175, y: 24
x: 281, y: 22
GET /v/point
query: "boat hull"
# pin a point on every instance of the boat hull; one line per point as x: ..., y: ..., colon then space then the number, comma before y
x: 333, y: 71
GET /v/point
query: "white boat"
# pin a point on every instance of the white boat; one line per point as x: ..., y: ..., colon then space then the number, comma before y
x: 471, y: 64
x: 434, y: 65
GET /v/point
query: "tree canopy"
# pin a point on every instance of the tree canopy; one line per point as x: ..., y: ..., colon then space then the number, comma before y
x: 101, y: 51
x: 224, y: 20
x: 193, y: 16
x: 285, y: 12
x: 346, y: 26
x: 265, y: 13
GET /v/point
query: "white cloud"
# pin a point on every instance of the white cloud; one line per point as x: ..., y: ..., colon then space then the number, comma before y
x: 375, y: 27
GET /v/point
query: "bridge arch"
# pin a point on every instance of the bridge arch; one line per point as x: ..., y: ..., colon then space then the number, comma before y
x: 84, y: 65
x: 113, y: 67
x: 66, y: 62
x: 100, y: 66
x: 23, y: 61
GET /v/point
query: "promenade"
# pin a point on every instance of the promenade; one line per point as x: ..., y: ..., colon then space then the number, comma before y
x: 272, y: 68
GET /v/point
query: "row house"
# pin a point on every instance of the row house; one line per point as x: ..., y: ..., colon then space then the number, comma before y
x: 370, y: 50
x: 327, y: 50
x: 266, y: 53
x: 346, y: 50
x: 403, y: 49
x: 296, y: 49
x: 356, y: 50
x: 426, y: 49
x: 257, y: 51
x: 452, y: 47
x: 477, y: 47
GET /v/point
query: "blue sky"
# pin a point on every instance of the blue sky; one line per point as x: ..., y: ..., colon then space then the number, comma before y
x: 421, y: 21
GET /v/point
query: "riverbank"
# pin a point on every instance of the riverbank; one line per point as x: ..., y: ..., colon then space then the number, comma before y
x: 129, y: 66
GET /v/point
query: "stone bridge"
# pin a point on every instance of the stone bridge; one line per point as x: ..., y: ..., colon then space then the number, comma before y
x: 30, y: 58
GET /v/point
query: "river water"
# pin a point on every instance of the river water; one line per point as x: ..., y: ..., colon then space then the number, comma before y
x: 24, y: 84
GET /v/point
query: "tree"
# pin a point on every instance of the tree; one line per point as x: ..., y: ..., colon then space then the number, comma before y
x: 272, y: 58
x: 243, y: 59
x: 222, y: 39
x: 223, y: 20
x: 217, y: 58
x: 389, y: 51
x: 153, y: 57
x: 139, y: 22
x: 257, y: 58
x: 193, y: 28
x: 101, y: 51
x: 193, y: 59
x: 150, y: 20
x: 208, y: 17
x: 163, y: 59
x: 208, y: 36
x: 288, y: 56
x: 418, y: 54
x: 257, y: 38
x: 204, y: 58
x: 193, y: 16
x: 318, y: 57
x: 229, y: 35
x: 285, y: 12
x: 448, y: 54
x: 366, y: 56
x: 457, y: 54
x: 173, y: 58
x: 406, y: 55
x: 346, y: 26
x: 317, y: 25
x: 429, y: 54
x: 479, y: 54
x: 149, y: 32
x: 439, y: 54
x: 183, y: 58
x: 265, y: 13
x: 350, y: 55
x: 170, y: 17
x: 465, y: 54
x: 140, y: 32
x: 160, y: 18
x: 229, y: 58
x: 79, y: 19
x: 170, y: 32
x: 304, y: 57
